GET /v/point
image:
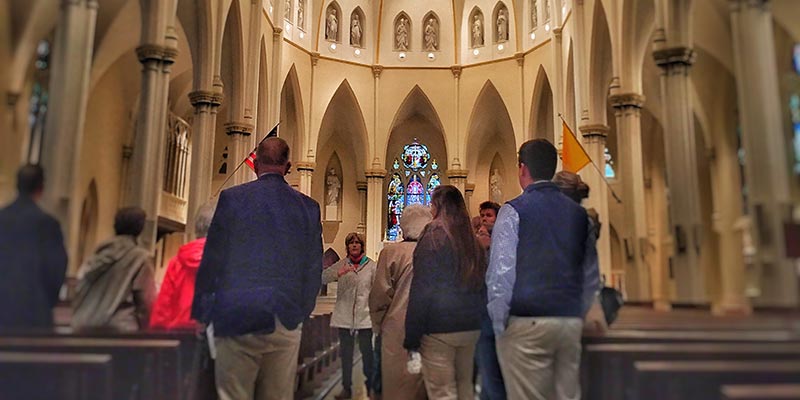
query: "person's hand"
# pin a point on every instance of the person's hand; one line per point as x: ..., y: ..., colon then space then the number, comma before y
x: 345, y: 269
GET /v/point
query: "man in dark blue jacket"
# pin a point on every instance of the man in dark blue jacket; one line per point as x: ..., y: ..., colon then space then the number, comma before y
x: 258, y: 279
x: 32, y: 257
x: 541, y: 280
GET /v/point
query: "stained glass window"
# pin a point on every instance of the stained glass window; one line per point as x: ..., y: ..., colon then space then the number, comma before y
x: 610, y: 173
x: 794, y: 107
x: 413, y: 177
x: 37, y: 110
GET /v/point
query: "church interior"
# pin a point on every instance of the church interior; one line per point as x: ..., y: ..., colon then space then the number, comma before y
x: 688, y: 109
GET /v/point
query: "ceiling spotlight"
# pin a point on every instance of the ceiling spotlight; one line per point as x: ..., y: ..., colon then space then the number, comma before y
x: 333, y: 46
x: 402, y: 55
x: 500, y: 47
x: 533, y: 35
x: 547, y: 27
x: 476, y: 52
x: 357, y: 52
x: 288, y: 26
x: 431, y: 56
x: 302, y: 35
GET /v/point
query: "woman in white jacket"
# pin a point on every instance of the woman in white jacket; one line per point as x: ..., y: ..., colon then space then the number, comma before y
x: 354, y: 274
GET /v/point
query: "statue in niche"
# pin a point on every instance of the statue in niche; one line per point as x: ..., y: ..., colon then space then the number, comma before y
x: 477, y: 31
x: 301, y: 13
x: 355, y: 31
x: 534, y: 14
x: 334, y: 184
x: 332, y: 25
x: 287, y: 11
x: 502, y: 25
x: 401, y: 34
x: 496, y: 186
x: 431, y: 35
x: 546, y: 10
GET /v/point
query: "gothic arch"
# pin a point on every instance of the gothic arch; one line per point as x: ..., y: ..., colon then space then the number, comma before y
x: 292, y: 127
x: 542, y: 117
x: 600, y: 66
x: 416, y: 108
x: 343, y: 116
x: 262, y: 112
x: 87, y: 236
x: 232, y: 70
x: 638, y: 21
x: 569, y: 92
x: 436, y: 25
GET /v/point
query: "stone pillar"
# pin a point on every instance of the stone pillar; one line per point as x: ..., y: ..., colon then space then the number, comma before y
x: 206, y: 103
x: 460, y: 144
x: 306, y: 170
x: 594, y: 141
x: 458, y: 178
x: 239, y: 147
x: 375, y: 183
x: 557, y: 82
x: 69, y: 94
x: 766, y: 164
x: 147, y: 162
x: 685, y: 213
x: 469, y: 190
x: 362, y: 207
x: 658, y: 242
x: 277, y: 72
x: 627, y: 108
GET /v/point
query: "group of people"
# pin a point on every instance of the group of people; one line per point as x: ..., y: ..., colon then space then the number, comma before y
x: 508, y: 292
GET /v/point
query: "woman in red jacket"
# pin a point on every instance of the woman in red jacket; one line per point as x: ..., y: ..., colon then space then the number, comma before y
x: 174, y: 304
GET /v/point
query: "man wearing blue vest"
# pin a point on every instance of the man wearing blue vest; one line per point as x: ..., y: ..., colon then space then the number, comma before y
x: 541, y: 280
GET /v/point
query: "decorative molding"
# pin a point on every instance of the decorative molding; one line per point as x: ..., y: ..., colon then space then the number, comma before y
x: 155, y: 52
x: 305, y: 166
x: 737, y: 5
x: 626, y: 100
x: 361, y: 186
x: 205, y: 98
x: 469, y: 188
x: 594, y: 130
x: 239, y: 128
x: 314, y: 59
x: 674, y: 56
x: 456, y: 70
x: 375, y: 173
x: 457, y: 173
x: 277, y: 33
x: 520, y: 57
x: 377, y: 70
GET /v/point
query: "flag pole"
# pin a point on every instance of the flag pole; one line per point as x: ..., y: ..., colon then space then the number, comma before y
x: 602, y: 175
x: 242, y: 163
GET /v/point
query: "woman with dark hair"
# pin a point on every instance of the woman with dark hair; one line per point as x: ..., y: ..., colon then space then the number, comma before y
x: 446, y: 298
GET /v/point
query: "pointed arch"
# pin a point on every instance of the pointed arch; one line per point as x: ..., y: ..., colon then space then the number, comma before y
x: 232, y: 69
x: 87, y: 236
x: 498, y: 8
x: 362, y: 20
x: 292, y: 127
x: 402, y: 17
x: 344, y: 119
x: 436, y: 26
x: 600, y: 65
x: 638, y: 21
x: 417, y: 104
x: 569, y: 93
x: 542, y: 108
x: 262, y: 113
x: 491, y: 145
x: 476, y: 39
x: 417, y: 118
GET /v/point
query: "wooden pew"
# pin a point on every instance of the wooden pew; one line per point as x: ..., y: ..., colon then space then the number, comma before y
x: 608, y: 368
x: 674, y: 336
x: 144, y: 368
x: 680, y: 380
x: 761, y: 392
x: 55, y: 376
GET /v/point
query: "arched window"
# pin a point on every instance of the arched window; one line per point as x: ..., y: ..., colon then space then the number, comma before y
x: 610, y: 173
x: 414, y: 176
x: 794, y: 110
x: 37, y: 111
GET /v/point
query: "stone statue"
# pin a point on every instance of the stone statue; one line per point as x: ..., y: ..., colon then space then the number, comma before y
x: 477, y: 31
x: 546, y: 10
x: 301, y: 13
x: 355, y: 31
x: 534, y: 14
x: 431, y: 35
x: 496, y: 186
x: 502, y: 25
x: 401, y: 34
x: 287, y: 11
x: 332, y: 26
x: 334, y: 184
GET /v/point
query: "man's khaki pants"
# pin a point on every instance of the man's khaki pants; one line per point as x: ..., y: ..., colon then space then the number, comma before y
x: 540, y: 358
x: 447, y: 364
x: 258, y: 367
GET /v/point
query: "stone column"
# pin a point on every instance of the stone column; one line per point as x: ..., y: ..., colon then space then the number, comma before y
x: 658, y: 242
x: 375, y: 183
x: 362, y: 207
x: 206, y: 103
x: 594, y: 141
x: 458, y: 178
x: 685, y: 213
x: 69, y: 94
x: 766, y: 164
x: 469, y: 190
x: 306, y: 170
x: 239, y: 147
x: 147, y: 162
x: 627, y: 108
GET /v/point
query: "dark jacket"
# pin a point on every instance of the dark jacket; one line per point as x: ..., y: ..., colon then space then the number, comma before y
x: 263, y: 259
x: 32, y: 264
x: 439, y: 301
x: 550, y: 253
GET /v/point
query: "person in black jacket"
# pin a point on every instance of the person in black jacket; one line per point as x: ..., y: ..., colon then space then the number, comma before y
x: 447, y: 298
x: 33, y: 260
x: 258, y: 279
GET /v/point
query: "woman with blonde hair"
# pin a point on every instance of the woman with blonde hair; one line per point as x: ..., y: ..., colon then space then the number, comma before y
x: 355, y: 274
x: 447, y: 298
x: 388, y: 302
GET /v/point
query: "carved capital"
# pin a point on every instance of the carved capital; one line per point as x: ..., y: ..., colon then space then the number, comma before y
x: 626, y: 100
x: 205, y: 98
x: 277, y: 32
x: 469, y: 188
x: 557, y: 32
x: 674, y: 56
x: 239, y: 128
x: 457, y: 173
x: 149, y: 52
x: 520, y: 57
x: 375, y: 173
x: 456, y: 70
x: 314, y: 58
x: 377, y: 70
x: 361, y: 186
x: 305, y: 166
x: 738, y: 5
x: 594, y: 131
x: 12, y: 98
